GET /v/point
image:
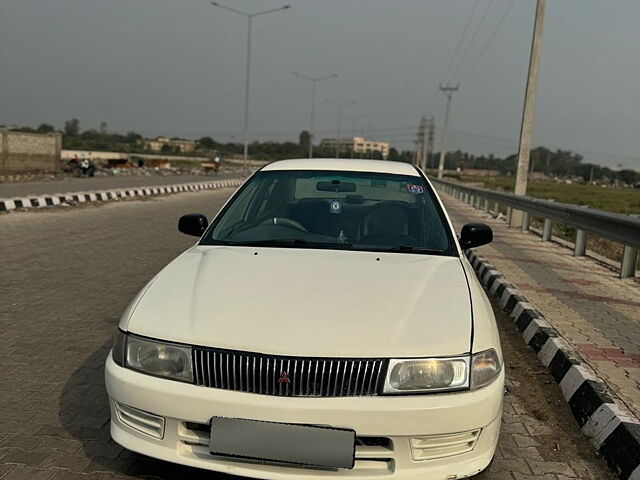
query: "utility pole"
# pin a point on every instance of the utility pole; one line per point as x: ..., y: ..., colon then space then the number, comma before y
x: 421, y: 145
x: 249, y: 17
x: 313, y: 81
x: 532, y: 167
x: 548, y: 163
x: 423, y: 164
x: 340, y: 106
x: 448, y: 91
x: 528, y: 113
x: 431, y: 124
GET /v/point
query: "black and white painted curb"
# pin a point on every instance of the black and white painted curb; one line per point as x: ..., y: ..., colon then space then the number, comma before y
x: 612, y: 428
x: 109, y: 195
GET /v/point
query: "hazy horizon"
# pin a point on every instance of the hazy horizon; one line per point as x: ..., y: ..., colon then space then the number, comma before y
x: 166, y: 68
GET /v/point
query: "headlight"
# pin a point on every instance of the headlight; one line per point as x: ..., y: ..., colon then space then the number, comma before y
x: 424, y: 375
x: 427, y: 375
x: 485, y: 367
x: 153, y: 357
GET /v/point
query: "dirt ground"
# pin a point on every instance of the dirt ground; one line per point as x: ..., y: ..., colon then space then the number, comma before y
x: 540, y: 438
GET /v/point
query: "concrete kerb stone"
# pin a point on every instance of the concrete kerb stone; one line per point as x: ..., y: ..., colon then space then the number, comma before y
x: 613, y: 430
x: 66, y: 199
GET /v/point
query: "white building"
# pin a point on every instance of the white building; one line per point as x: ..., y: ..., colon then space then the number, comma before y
x: 358, y: 145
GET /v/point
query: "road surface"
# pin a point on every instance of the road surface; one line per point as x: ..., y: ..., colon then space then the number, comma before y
x: 67, y: 275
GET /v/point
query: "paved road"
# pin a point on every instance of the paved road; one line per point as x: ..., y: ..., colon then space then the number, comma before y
x: 73, y: 184
x: 68, y: 274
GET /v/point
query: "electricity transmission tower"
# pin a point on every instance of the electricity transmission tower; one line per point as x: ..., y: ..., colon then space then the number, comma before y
x: 431, y: 125
x: 421, y: 144
x: 448, y: 91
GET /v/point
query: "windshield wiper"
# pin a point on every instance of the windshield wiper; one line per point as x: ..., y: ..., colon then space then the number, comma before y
x: 410, y: 249
x: 284, y: 242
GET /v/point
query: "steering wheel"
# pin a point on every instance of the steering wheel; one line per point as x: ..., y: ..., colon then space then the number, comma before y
x: 286, y: 222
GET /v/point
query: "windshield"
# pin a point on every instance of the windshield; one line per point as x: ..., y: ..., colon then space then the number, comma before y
x: 345, y: 210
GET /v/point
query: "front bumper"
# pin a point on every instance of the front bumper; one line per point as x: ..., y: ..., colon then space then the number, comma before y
x: 386, y: 426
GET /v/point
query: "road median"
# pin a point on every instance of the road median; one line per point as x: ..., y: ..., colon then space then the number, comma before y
x: 78, y: 198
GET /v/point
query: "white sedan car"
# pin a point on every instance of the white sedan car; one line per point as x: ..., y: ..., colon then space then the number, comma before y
x: 325, y: 325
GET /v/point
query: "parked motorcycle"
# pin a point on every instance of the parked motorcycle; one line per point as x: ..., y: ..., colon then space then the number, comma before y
x: 83, y: 167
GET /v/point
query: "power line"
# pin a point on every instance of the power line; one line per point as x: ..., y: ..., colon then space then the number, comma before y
x: 486, y: 45
x: 462, y: 37
x: 457, y: 50
x: 473, y: 38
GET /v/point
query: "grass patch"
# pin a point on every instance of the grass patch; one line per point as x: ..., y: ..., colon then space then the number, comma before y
x: 611, y: 199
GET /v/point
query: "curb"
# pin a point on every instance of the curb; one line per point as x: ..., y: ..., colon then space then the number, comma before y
x: 614, y: 431
x: 55, y: 199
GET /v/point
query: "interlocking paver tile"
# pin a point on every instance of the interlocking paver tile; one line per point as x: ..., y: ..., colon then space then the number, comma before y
x: 596, y: 312
x: 21, y: 472
x: 70, y: 273
x: 542, y: 468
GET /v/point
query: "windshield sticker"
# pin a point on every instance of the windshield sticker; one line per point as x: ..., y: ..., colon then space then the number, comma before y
x: 417, y: 189
x: 335, y: 207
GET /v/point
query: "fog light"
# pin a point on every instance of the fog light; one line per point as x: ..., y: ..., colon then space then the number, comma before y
x: 139, y: 420
x: 439, y: 446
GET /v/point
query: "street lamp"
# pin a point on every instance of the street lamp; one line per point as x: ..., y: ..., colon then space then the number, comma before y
x: 249, y: 17
x: 313, y: 102
x: 340, y: 106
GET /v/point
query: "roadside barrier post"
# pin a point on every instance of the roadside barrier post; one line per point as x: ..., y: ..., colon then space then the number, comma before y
x: 581, y: 243
x: 629, y: 261
x: 547, y: 230
x: 526, y: 221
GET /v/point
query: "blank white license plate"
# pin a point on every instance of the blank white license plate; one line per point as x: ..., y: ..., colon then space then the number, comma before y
x: 282, y: 442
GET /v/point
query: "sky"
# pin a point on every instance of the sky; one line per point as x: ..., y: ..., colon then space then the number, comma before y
x: 177, y: 68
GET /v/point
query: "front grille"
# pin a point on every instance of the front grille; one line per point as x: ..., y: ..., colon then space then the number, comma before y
x: 287, y: 376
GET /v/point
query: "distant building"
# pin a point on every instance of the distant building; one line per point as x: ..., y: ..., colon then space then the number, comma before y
x: 357, y: 145
x: 177, y: 145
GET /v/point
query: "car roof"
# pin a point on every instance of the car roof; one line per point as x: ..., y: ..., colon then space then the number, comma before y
x: 341, y: 164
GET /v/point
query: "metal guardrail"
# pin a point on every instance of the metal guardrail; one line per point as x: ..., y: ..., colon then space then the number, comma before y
x: 624, y: 229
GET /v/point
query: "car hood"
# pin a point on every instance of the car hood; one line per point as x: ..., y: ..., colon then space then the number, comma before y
x: 324, y: 303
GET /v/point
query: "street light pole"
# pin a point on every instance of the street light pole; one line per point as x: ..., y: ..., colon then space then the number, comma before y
x: 313, y: 81
x: 249, y: 17
x: 340, y: 107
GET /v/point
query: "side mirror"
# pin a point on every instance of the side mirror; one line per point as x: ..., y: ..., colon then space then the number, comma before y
x: 475, y: 235
x: 193, y: 224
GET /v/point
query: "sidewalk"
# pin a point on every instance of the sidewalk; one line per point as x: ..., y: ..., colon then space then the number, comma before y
x: 597, y: 313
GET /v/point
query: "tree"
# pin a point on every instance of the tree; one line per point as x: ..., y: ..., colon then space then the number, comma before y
x: 207, y: 143
x: 304, y: 139
x: 166, y: 148
x: 133, y: 137
x: 393, y: 156
x: 72, y: 127
x: 45, y: 128
x: 630, y: 177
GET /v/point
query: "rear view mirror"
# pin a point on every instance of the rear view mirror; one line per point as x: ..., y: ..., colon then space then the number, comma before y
x: 336, y: 186
x: 193, y: 224
x: 475, y: 235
